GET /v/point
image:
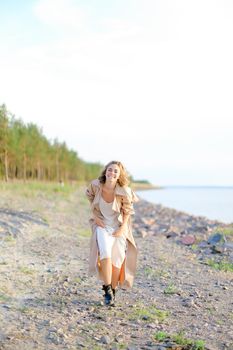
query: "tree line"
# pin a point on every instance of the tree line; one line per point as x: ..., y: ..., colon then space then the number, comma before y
x: 26, y: 154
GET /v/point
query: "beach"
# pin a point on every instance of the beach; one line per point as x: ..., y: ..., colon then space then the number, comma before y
x: 181, y: 298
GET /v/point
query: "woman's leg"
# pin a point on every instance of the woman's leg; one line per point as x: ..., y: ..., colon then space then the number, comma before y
x: 118, y: 257
x: 115, y: 276
x: 105, y: 242
x: 106, y: 269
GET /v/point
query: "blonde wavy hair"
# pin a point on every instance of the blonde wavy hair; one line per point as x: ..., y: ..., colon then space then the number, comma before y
x: 123, y: 179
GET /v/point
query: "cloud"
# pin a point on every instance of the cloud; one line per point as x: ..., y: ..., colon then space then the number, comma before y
x: 61, y: 13
x: 155, y: 82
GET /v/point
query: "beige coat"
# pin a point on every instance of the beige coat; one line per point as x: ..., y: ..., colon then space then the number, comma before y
x: 122, y: 203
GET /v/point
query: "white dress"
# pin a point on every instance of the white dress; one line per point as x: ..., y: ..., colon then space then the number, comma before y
x: 109, y: 246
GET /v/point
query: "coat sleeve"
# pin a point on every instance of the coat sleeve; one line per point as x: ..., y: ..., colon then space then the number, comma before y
x: 127, y: 202
x: 90, y: 193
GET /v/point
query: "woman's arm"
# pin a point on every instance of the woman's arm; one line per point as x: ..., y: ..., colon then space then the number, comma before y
x: 125, y: 220
x: 119, y: 232
x: 90, y: 193
x: 127, y: 210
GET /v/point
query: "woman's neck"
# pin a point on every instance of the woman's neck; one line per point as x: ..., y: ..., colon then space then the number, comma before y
x: 109, y: 186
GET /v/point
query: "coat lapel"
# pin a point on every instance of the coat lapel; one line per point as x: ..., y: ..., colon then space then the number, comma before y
x: 115, y: 204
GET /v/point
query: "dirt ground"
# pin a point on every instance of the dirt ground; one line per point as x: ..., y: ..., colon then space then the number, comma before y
x: 48, y: 301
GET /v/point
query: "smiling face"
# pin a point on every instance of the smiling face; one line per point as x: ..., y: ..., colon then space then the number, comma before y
x: 112, y: 173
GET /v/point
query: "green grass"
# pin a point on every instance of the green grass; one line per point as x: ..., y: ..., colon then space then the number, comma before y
x: 221, y: 265
x: 210, y: 310
x: 180, y: 339
x: 83, y: 232
x: 220, y: 322
x: 4, y: 298
x: 33, y: 188
x: 199, y: 345
x: 122, y: 346
x: 161, y: 336
x: 26, y: 270
x: 77, y: 280
x: 24, y: 309
x: 10, y: 239
x: 224, y: 230
x: 149, y: 272
x: 170, y: 289
x: 152, y: 273
x: 149, y: 313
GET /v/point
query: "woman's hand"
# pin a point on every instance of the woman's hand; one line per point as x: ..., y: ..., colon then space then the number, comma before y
x: 119, y: 232
x: 99, y: 222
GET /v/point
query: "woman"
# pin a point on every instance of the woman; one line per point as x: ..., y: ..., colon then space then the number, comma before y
x: 113, y: 251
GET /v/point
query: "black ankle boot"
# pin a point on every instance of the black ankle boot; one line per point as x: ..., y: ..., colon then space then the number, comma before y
x: 108, y: 296
x: 114, y: 294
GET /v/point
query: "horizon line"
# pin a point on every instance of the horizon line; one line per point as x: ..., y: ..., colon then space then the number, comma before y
x: 210, y: 186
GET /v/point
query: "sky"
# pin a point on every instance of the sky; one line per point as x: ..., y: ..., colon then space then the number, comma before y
x: 146, y: 82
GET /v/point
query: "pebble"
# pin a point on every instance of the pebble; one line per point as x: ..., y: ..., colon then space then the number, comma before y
x: 188, y: 240
x: 188, y: 302
x: 54, y: 338
x: 105, y: 339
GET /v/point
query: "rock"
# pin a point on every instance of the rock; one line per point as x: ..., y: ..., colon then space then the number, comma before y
x: 203, y: 244
x: 54, y: 338
x: 188, y: 240
x: 132, y: 347
x: 148, y: 222
x: 60, y: 332
x: 171, y: 234
x: 145, y: 318
x: 81, y: 344
x: 228, y: 246
x: 188, y: 302
x: 184, y: 232
x: 216, y: 238
x: 2, y: 338
x: 219, y: 249
x: 53, y: 330
x: 153, y: 325
x: 144, y: 233
x: 173, y: 346
x: 114, y: 347
x: 45, y: 323
x: 105, y: 339
x: 119, y: 338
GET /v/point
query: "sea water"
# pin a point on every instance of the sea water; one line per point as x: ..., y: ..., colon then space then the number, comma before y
x: 215, y: 203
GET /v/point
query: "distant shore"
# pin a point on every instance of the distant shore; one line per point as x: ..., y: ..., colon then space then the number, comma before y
x: 138, y: 186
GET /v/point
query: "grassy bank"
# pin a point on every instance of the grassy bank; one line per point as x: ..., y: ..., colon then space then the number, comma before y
x: 39, y: 186
x: 52, y: 187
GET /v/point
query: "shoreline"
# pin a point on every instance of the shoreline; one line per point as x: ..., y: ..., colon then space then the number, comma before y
x: 210, y: 239
x: 211, y: 203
